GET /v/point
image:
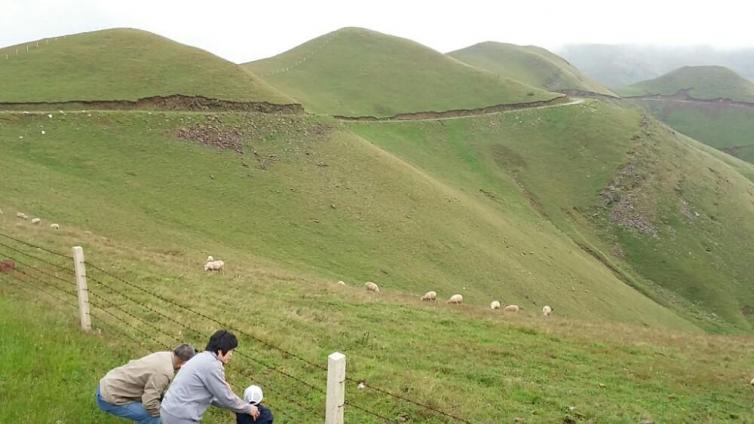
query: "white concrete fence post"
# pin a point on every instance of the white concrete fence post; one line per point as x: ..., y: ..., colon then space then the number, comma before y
x: 336, y: 388
x: 82, y: 291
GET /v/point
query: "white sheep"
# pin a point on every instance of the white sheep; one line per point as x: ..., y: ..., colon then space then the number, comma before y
x: 546, y: 310
x: 495, y: 304
x: 430, y: 296
x: 372, y: 287
x: 36, y: 221
x: 214, y: 266
x: 511, y: 308
x: 341, y: 283
x: 456, y: 299
x: 55, y: 226
x: 210, y: 259
x: 21, y: 215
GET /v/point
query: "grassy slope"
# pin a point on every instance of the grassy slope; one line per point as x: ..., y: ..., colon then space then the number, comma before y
x: 48, y: 370
x: 524, y: 367
x: 157, y: 206
x: 122, y: 64
x: 355, y: 71
x: 564, y: 157
x: 703, y: 82
x: 333, y: 204
x: 529, y: 64
x: 724, y: 127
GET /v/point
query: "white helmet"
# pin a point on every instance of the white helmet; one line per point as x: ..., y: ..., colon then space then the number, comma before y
x: 253, y: 394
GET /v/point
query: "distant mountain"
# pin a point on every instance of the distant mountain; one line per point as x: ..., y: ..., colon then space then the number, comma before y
x: 620, y: 65
x: 355, y: 71
x: 700, y: 82
x: 121, y: 64
x: 530, y: 64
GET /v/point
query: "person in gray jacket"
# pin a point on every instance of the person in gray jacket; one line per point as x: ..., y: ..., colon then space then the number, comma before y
x: 201, y: 383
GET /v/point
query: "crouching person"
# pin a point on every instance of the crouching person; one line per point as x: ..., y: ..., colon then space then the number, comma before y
x: 202, y: 382
x: 133, y: 391
x: 254, y: 395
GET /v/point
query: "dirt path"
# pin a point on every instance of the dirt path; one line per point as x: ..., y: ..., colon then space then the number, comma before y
x: 170, y: 103
x: 444, y: 116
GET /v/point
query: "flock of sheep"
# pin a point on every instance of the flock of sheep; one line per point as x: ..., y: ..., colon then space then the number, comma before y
x: 457, y: 299
x: 35, y: 221
x: 431, y: 296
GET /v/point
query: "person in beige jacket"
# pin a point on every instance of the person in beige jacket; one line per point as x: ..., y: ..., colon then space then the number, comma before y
x: 134, y: 391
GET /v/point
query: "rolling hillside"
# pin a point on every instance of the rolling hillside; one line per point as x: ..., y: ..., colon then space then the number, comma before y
x: 665, y: 214
x: 726, y: 127
x: 700, y: 82
x: 511, y: 206
x: 355, y: 72
x: 529, y: 64
x: 122, y: 64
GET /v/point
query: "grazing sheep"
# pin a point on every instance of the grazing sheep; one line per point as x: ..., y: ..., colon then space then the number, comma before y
x: 55, y: 226
x: 21, y: 215
x: 511, y: 308
x: 430, y: 296
x: 36, y: 221
x: 341, y: 283
x: 7, y: 265
x: 214, y: 266
x: 495, y: 304
x: 456, y: 299
x: 372, y: 287
x: 546, y: 310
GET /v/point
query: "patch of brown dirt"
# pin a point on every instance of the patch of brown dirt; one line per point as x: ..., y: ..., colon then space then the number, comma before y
x: 213, y: 133
x: 7, y: 265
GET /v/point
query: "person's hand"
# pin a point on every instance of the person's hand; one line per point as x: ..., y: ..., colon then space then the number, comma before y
x: 254, y: 412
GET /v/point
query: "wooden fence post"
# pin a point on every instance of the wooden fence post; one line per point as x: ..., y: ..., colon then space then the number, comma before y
x: 336, y: 388
x: 82, y: 291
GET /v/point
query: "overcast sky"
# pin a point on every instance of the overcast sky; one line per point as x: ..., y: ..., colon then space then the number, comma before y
x: 244, y: 30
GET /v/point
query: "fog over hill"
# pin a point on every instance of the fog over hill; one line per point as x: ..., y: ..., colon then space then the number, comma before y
x: 618, y: 65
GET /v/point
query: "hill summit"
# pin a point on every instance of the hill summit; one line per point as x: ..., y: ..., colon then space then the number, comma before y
x: 700, y: 82
x: 355, y: 71
x: 529, y: 64
x: 122, y: 64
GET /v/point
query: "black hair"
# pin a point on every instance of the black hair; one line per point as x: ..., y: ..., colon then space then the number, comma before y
x: 223, y: 341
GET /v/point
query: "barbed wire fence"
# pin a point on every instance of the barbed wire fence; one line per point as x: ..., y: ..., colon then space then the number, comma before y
x: 124, y: 307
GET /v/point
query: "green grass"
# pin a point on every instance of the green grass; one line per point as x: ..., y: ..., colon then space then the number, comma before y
x: 562, y: 158
x: 331, y: 204
x: 703, y: 82
x: 121, y: 64
x: 48, y: 371
x: 724, y: 127
x: 492, y: 207
x: 355, y: 72
x: 523, y: 367
x: 531, y: 65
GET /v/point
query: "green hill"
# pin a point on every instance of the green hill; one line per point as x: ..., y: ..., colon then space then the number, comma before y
x: 591, y: 208
x: 667, y: 215
x: 121, y: 64
x: 726, y: 127
x: 532, y: 65
x: 701, y: 82
x: 357, y: 72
